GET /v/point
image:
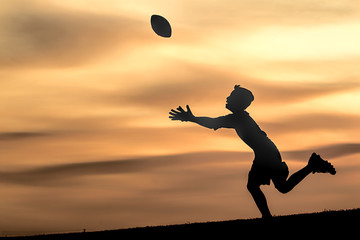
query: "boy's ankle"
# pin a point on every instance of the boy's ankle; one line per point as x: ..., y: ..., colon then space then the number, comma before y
x: 267, y: 218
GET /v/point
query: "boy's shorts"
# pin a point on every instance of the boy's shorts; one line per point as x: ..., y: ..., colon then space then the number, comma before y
x: 261, y: 175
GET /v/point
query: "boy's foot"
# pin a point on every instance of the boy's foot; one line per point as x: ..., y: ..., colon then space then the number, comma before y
x: 319, y: 165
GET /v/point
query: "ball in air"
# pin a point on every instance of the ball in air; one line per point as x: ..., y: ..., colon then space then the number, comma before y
x: 161, y: 26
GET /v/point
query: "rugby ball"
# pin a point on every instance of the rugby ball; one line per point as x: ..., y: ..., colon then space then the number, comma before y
x: 161, y: 26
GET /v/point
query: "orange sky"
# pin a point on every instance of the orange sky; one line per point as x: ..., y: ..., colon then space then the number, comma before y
x: 86, y: 87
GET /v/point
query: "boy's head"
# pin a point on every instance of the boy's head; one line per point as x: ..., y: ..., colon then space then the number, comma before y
x: 239, y: 99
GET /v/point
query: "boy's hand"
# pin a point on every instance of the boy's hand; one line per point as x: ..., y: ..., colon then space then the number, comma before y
x: 181, y: 114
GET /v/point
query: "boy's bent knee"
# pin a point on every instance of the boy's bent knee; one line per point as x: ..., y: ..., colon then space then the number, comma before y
x: 282, y: 188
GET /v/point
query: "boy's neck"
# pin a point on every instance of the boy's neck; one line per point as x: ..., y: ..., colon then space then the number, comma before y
x: 240, y: 112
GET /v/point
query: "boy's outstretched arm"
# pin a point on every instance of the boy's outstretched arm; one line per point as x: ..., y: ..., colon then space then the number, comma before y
x: 187, y: 116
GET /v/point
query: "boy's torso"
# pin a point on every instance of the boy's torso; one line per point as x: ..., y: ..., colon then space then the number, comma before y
x: 266, y: 152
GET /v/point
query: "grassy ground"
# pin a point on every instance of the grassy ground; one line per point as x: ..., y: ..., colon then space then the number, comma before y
x: 334, y: 224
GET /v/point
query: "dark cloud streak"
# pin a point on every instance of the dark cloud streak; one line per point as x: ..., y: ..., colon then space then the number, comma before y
x: 66, y: 173
x: 293, y: 92
x: 201, y: 85
x: 310, y: 122
x: 329, y: 151
x: 63, y: 172
x: 22, y: 135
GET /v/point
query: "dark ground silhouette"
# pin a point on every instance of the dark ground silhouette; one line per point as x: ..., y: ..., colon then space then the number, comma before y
x: 327, y: 224
x: 268, y: 164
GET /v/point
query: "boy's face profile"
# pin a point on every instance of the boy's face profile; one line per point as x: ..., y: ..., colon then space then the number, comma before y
x: 230, y: 101
x: 233, y: 104
x: 239, y: 99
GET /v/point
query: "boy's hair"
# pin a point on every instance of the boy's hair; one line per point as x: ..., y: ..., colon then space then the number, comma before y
x: 242, y: 96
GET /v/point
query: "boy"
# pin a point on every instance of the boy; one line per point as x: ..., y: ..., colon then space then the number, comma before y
x: 267, y: 163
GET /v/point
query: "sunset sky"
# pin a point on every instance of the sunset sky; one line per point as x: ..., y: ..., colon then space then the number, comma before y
x: 86, y: 87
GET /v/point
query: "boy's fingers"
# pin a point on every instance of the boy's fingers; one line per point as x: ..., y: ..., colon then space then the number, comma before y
x: 188, y: 108
x: 181, y: 109
x: 176, y: 112
x: 173, y: 114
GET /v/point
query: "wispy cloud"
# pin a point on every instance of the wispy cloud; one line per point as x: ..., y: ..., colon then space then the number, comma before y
x: 293, y: 92
x: 60, y: 174
x: 33, y: 36
x: 231, y: 13
x: 329, y: 151
x: 202, y: 85
x: 21, y: 135
x: 315, y: 121
x: 63, y: 174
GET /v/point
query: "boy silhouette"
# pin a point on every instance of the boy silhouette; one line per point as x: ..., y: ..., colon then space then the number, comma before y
x: 267, y: 164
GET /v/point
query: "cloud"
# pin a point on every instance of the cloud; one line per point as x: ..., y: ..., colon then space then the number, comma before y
x: 315, y: 121
x: 329, y: 151
x: 343, y: 69
x: 253, y: 14
x: 21, y: 135
x: 43, y: 35
x: 63, y: 174
x: 269, y: 93
x: 46, y: 36
x: 204, y: 85
x: 60, y: 174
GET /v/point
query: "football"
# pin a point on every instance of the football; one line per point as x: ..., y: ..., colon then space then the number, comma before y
x: 161, y: 26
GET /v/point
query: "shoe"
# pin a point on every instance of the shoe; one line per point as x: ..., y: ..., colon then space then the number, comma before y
x: 319, y: 165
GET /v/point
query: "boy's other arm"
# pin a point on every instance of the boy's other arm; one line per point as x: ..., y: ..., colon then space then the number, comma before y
x: 212, y: 123
x: 188, y: 116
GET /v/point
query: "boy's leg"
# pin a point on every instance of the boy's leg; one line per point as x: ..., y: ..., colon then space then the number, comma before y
x: 315, y: 164
x: 285, y: 186
x: 259, y: 198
